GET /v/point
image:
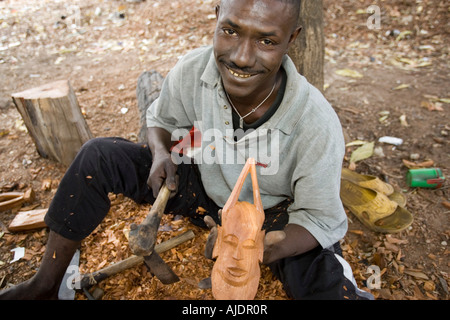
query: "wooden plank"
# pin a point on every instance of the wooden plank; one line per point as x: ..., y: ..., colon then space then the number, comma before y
x: 11, y: 200
x: 28, y: 220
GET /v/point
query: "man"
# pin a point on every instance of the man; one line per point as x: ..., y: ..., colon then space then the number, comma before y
x: 245, y: 98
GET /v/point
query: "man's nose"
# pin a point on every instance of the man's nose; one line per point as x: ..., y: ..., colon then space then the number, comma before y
x: 243, y: 55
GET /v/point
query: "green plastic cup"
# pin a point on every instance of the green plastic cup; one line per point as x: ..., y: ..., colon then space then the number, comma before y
x: 425, y: 178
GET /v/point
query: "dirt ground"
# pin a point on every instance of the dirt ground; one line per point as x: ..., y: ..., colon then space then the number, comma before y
x: 401, y: 89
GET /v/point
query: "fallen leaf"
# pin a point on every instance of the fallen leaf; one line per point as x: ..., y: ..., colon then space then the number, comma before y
x: 46, y: 185
x: 432, y: 106
x: 416, y: 274
x: 403, y: 121
x: 391, y: 247
x: 402, y: 86
x: 358, y: 232
x: 413, y: 165
x: 363, y: 152
x: 355, y: 143
x: 349, y: 73
x: 393, y: 240
x: 429, y: 286
x: 403, y: 35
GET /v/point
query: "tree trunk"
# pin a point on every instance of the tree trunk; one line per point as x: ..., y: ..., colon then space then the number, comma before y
x: 53, y: 118
x: 308, y: 52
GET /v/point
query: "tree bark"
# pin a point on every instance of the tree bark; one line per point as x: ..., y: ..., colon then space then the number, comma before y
x: 308, y: 52
x: 54, y: 120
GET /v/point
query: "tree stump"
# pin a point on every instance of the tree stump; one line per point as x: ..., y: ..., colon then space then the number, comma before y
x: 54, y: 120
x: 148, y: 88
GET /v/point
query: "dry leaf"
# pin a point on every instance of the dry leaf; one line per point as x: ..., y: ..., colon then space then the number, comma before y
x: 403, y: 121
x: 432, y: 106
x: 349, y: 73
x: 363, y: 152
x: 416, y: 274
x: 402, y: 86
x: 413, y: 165
x: 355, y: 143
x: 393, y: 240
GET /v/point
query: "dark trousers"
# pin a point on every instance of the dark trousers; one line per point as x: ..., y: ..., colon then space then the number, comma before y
x: 115, y: 165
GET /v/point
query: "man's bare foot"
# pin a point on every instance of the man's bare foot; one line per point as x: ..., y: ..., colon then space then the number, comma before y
x: 29, y: 290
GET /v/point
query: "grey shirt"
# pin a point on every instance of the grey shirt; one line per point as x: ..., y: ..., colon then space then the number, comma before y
x: 299, y: 149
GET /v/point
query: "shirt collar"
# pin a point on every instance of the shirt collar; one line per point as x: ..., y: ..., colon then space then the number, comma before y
x: 211, y: 73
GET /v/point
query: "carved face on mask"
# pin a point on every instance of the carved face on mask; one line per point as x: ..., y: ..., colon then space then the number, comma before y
x: 239, y: 247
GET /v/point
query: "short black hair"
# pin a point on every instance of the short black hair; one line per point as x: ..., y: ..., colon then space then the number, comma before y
x: 296, y: 4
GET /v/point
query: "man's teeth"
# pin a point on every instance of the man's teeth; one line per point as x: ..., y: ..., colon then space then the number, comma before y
x: 239, y: 75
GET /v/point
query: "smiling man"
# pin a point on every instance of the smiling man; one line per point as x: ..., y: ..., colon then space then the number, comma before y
x: 250, y: 42
x: 244, y: 83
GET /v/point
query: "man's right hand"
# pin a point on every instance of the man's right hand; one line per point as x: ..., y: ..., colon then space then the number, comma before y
x: 163, y: 169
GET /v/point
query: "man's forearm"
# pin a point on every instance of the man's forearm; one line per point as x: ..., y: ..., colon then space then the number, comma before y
x: 163, y: 168
x: 159, y: 140
x: 292, y: 241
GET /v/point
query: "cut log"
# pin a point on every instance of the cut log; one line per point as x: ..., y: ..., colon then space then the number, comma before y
x: 54, y: 120
x: 28, y: 220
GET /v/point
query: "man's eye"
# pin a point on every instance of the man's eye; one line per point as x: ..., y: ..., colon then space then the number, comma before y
x: 267, y: 42
x: 229, y: 32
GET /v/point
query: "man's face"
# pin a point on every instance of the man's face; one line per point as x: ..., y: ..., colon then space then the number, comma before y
x: 250, y: 40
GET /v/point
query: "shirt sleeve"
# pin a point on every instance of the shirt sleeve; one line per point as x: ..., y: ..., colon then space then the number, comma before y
x: 169, y: 111
x: 316, y: 182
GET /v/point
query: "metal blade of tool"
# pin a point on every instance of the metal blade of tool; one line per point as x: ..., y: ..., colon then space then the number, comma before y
x: 142, y: 239
x: 67, y: 288
x: 160, y: 269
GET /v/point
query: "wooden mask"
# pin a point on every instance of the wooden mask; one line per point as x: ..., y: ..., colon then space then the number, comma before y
x: 240, y: 243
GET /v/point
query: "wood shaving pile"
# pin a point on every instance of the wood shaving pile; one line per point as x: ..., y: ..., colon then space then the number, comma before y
x: 108, y: 244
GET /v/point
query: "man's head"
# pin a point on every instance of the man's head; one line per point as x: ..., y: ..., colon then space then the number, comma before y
x: 250, y: 41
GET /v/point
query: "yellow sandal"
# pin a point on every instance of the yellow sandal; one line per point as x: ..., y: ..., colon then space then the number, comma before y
x: 374, y: 209
x: 367, y: 181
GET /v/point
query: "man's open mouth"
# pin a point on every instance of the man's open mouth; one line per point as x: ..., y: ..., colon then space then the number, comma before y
x: 235, y: 74
x: 240, y: 75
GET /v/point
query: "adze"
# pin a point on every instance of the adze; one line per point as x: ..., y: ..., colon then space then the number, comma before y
x: 142, y: 239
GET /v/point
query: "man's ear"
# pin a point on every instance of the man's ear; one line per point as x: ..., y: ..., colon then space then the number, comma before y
x: 294, y: 35
x: 217, y: 11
